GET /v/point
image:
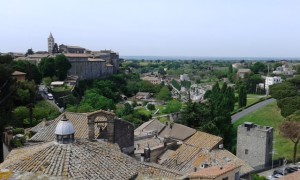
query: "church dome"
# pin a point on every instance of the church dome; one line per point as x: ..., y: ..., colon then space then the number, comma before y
x: 64, y: 131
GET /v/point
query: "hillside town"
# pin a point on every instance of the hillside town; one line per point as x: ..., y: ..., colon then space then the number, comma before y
x: 142, y: 90
x: 142, y: 132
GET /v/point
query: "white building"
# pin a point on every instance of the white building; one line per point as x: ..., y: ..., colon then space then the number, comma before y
x: 271, y: 81
x: 184, y: 77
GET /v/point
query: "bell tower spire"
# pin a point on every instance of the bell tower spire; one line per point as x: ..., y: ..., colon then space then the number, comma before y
x: 50, y: 43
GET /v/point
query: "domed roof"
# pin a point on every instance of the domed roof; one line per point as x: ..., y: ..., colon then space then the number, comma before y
x: 64, y: 127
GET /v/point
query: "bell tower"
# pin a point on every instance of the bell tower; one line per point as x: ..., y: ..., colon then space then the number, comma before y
x: 50, y: 43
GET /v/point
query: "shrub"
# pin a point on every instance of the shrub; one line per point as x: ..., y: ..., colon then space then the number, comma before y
x: 151, y: 107
x: 18, y: 131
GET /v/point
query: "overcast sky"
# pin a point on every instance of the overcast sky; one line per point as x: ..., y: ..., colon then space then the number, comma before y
x: 248, y: 28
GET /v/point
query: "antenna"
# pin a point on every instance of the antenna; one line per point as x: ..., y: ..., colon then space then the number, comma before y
x: 268, y: 69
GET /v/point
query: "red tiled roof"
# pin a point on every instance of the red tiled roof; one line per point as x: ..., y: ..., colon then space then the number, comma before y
x: 212, y: 172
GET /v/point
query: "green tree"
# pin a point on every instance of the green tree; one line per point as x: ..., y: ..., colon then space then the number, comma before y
x: 259, y: 67
x: 47, y: 67
x: 176, y: 84
x: 173, y: 106
x: 283, y: 90
x: 26, y: 93
x: 186, y: 84
x: 298, y: 69
x: 252, y: 82
x: 20, y: 113
x: 164, y: 94
x: 7, y: 88
x: 97, y: 101
x: 127, y: 109
x: 62, y: 66
x: 151, y: 107
x: 290, y: 129
x: 161, y: 71
x: 106, y: 88
x: 31, y: 70
x: 289, y: 105
x: 242, y: 96
x: 29, y: 52
x: 55, y: 49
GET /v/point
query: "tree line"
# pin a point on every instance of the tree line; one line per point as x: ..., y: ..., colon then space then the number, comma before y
x: 288, y: 100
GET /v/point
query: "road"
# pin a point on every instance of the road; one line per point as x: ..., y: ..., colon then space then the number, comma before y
x: 245, y: 112
x: 41, y: 87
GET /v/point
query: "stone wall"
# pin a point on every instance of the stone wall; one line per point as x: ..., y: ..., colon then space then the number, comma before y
x: 254, y: 145
x: 122, y: 133
x: 88, y: 69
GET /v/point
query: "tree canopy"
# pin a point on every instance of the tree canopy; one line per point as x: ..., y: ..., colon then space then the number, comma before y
x: 62, y: 66
x: 212, y: 116
x: 31, y: 70
x: 29, y: 52
x: 259, y: 67
x: 289, y: 105
x: 290, y: 128
x: 283, y: 90
x: 164, y: 94
x: 57, y: 66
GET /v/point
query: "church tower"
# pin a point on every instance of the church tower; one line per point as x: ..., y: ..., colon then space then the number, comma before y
x: 50, y: 43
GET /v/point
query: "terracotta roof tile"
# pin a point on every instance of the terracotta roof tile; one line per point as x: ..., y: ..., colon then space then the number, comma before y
x: 79, y: 121
x: 181, y: 160
x: 149, y: 126
x: 80, y: 160
x: 212, y: 172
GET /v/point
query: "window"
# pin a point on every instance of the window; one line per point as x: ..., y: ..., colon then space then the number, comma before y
x: 237, y: 176
x: 246, y: 151
x: 225, y: 178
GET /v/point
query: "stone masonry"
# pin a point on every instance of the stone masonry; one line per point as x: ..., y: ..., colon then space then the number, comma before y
x: 255, y: 145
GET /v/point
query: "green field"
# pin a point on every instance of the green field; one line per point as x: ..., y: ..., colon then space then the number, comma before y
x: 251, y: 99
x: 270, y: 116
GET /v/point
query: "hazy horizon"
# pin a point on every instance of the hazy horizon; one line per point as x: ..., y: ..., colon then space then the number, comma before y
x: 196, y: 28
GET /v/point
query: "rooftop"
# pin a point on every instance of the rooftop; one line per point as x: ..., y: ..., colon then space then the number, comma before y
x: 18, y: 73
x: 79, y: 121
x: 212, y: 172
x: 177, y: 131
x: 244, y: 70
x: 181, y: 159
x: 77, y: 55
x: 79, y: 160
x: 149, y: 127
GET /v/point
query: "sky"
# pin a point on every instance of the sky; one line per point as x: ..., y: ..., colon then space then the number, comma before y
x: 203, y: 28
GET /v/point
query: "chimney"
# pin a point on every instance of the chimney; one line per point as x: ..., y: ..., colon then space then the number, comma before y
x: 111, y: 130
x: 91, y: 126
x: 43, y: 122
x: 147, y: 153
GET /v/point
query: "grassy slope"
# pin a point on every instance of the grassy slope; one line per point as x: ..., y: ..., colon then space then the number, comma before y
x: 251, y: 99
x: 270, y: 116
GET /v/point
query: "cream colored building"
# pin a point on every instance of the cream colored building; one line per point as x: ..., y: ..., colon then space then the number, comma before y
x: 152, y: 79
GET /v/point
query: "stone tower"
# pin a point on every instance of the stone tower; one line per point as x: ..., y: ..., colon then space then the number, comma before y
x: 50, y: 43
x: 255, y: 145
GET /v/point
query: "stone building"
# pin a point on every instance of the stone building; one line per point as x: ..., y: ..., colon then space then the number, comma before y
x: 242, y: 73
x: 71, y: 49
x: 19, y: 76
x: 255, y: 144
x: 50, y: 43
x: 81, y: 146
x: 86, y: 64
x: 152, y: 79
x: 189, y: 152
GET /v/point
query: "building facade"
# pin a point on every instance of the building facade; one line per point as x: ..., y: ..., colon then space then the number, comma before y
x: 50, y: 43
x: 272, y: 80
x: 255, y: 145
